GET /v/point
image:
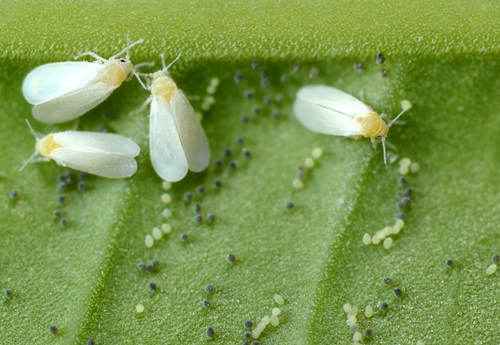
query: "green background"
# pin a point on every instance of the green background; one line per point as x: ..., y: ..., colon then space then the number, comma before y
x: 442, y: 56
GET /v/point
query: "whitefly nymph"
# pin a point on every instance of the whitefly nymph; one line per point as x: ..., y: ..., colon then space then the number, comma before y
x: 325, y: 109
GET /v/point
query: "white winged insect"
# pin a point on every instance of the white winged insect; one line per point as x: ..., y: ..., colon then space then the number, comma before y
x: 103, y: 154
x: 62, y: 91
x: 325, y: 109
x: 177, y: 141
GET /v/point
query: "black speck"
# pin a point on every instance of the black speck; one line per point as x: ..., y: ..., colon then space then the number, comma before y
x: 155, y: 262
x: 368, y: 333
x: 8, y: 293
x: 450, y: 263
x: 384, y: 306
x: 184, y: 237
x: 495, y: 258
x: 198, y: 218
x: 257, y: 110
x: 81, y: 185
x: 245, y: 119
x: 406, y: 200
x: 82, y: 176
x: 383, y: 73
x: 217, y: 183
x: 152, y: 287
x: 90, y: 342
x: 232, y: 165
x: 358, y: 67
x: 61, y: 186
x: 288, y: 205
x: 210, y: 217
x: 409, y: 191
x: 210, y: 333
x: 249, y: 94
x: 207, y: 304
x: 380, y: 59
x: 63, y: 222
x: 240, y: 140
x: 238, y: 77
x: 255, y: 64
x: 231, y: 258
x: 388, y: 281
x: 400, y: 194
x: 247, y: 335
x: 227, y: 152
x: 57, y: 214
x: 141, y: 266
x: 150, y: 268
x: 218, y: 163
x: 398, y: 292
x: 248, y: 324
x: 402, y: 181
x: 200, y: 189
x: 197, y: 208
x: 53, y: 330
x: 61, y: 198
x: 209, y: 288
x: 187, y: 196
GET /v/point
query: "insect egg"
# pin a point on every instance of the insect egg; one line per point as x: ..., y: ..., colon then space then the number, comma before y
x: 231, y: 258
x: 238, y: 77
x: 197, y: 208
x: 297, y: 67
x: 255, y: 64
x: 90, y: 342
x: 8, y: 293
x: 152, y: 287
x: 268, y: 100
x: 245, y: 118
x: 184, y: 237
x: 63, y: 222
x: 353, y: 328
x: 358, y: 67
x: 207, y: 304
x: 232, y: 165
x: 276, y: 115
x: 227, y: 152
x: 157, y: 234
x: 247, y: 335
x: 247, y: 153
x: 81, y: 185
x: 155, y: 262
x: 384, y: 306
x: 217, y: 183
x: 398, y: 292
x: 218, y: 163
x: 210, y: 217
x: 187, y: 196
x: 13, y: 194
x: 450, y: 263
x: 495, y: 258
x: 288, y: 205
x: 149, y: 241
x: 284, y: 78
x: 57, y: 214
x: 61, y: 198
x: 209, y: 288
x: 368, y: 333
x: 210, y: 333
x: 402, y: 181
x: 380, y: 59
x: 491, y: 269
x: 141, y: 266
x: 264, y: 83
x: 383, y: 73
x: 248, y: 324
x: 257, y: 110
x: 54, y: 330
x: 388, y: 281
x: 198, y: 218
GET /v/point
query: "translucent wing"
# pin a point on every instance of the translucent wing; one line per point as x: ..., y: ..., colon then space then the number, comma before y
x: 53, y: 80
x: 97, y: 162
x: 71, y: 105
x: 193, y: 138
x: 334, y: 99
x: 322, y: 120
x: 98, y: 141
x: 167, y: 155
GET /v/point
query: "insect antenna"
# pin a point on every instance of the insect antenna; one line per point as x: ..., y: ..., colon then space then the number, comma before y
x: 397, y: 117
x: 34, y: 153
x: 165, y: 69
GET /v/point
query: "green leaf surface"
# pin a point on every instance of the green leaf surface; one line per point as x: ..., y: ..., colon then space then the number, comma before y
x: 83, y: 278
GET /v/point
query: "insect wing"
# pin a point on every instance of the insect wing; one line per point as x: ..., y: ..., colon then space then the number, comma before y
x: 53, y: 80
x: 334, y: 99
x: 167, y: 154
x: 97, y: 162
x: 71, y: 105
x: 193, y: 138
x: 98, y: 141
